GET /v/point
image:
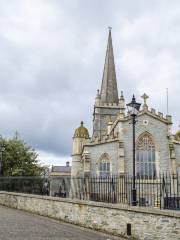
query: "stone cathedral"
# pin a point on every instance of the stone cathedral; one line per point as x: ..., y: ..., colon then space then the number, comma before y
x: 109, y: 149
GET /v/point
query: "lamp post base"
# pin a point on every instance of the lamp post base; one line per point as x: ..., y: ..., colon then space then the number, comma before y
x: 133, y: 192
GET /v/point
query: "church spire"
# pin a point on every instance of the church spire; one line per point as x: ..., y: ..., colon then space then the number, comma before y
x: 109, y: 91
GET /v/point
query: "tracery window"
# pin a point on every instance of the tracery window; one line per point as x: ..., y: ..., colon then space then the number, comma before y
x: 145, y: 157
x: 104, y: 165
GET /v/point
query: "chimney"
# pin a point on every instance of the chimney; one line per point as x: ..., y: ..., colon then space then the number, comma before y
x: 67, y: 164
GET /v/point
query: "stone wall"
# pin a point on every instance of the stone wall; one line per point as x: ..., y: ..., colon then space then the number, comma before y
x: 148, y: 224
x: 96, y: 152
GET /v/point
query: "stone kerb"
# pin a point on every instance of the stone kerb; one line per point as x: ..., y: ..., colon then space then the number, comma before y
x: 147, y: 223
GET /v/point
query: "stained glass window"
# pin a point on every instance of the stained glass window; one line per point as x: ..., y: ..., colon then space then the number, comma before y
x: 145, y: 157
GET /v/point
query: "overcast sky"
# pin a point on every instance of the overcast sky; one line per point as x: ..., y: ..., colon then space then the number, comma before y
x: 52, y: 54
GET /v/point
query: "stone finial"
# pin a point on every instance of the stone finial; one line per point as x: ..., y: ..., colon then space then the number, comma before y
x: 160, y: 114
x: 169, y: 118
x: 97, y: 101
x: 121, y: 100
x: 121, y: 97
x: 109, y: 125
x: 122, y: 105
x: 145, y: 97
x: 153, y: 111
x: 109, y: 119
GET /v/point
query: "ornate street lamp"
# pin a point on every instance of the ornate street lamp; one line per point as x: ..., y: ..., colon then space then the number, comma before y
x: 133, y: 109
x: 2, y: 149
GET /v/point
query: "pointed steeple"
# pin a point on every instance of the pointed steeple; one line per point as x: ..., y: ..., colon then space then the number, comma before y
x: 109, y: 91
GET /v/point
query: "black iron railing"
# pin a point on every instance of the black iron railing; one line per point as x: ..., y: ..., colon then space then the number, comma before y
x: 162, y: 191
x: 24, y: 184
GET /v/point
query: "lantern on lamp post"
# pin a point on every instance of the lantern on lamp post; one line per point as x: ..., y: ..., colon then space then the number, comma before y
x: 133, y: 109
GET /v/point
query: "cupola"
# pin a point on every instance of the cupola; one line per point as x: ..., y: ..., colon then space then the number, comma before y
x: 81, y: 132
x: 177, y: 135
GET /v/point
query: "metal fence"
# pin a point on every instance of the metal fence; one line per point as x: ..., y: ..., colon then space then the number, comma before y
x: 32, y: 185
x: 60, y: 186
x: 162, y: 191
x: 55, y: 186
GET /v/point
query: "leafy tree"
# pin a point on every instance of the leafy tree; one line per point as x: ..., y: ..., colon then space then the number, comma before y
x: 19, y: 159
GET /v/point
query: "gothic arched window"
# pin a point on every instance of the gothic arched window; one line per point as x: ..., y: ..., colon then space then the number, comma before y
x: 145, y: 156
x: 104, y: 165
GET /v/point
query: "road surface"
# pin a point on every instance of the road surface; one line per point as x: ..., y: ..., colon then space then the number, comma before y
x: 19, y: 225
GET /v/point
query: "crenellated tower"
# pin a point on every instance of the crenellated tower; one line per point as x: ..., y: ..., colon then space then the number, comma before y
x: 107, y: 102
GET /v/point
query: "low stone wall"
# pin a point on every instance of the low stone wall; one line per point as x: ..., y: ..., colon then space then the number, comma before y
x: 146, y: 223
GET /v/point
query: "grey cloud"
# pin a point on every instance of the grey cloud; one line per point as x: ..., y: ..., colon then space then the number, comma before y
x: 52, y: 56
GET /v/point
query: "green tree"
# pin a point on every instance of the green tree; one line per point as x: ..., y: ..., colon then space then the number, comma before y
x: 19, y: 159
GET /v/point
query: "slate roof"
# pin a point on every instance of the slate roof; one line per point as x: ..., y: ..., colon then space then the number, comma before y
x: 61, y: 169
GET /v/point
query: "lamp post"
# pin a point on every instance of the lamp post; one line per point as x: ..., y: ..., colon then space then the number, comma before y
x: 2, y: 149
x: 133, y: 108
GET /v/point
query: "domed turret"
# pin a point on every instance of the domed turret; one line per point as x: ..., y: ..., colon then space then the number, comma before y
x: 177, y: 135
x: 80, y: 138
x: 81, y: 132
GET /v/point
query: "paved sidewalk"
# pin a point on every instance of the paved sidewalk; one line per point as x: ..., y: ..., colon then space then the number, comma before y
x: 20, y: 225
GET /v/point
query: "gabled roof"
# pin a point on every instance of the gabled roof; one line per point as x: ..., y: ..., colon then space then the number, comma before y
x: 158, y: 116
x: 151, y: 113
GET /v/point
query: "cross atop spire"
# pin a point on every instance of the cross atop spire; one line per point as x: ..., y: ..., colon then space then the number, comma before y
x: 145, y: 97
x: 109, y: 91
